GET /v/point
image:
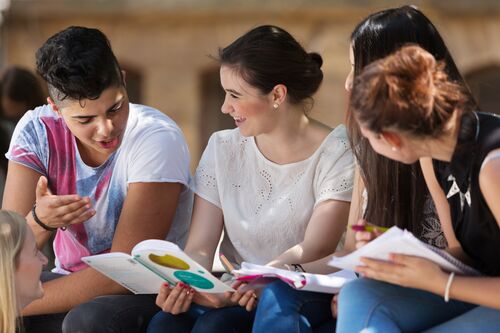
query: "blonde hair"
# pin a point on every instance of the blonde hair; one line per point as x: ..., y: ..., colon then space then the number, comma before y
x: 12, y: 236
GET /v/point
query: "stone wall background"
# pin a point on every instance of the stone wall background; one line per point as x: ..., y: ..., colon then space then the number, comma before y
x: 165, y: 46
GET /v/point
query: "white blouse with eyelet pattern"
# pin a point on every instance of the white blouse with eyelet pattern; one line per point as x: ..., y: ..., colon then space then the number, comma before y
x: 267, y: 206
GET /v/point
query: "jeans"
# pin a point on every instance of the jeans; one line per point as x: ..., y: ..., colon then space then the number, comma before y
x: 371, y: 306
x: 104, y: 314
x: 200, y: 319
x: 284, y: 309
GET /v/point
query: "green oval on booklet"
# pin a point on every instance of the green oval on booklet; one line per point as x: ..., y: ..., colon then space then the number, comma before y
x: 169, y: 261
x: 194, y: 280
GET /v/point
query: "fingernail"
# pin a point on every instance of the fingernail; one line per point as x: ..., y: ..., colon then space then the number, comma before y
x: 165, y: 284
x: 182, y: 284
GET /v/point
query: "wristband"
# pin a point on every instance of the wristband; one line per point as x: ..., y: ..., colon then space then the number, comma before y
x: 298, y: 268
x: 39, y: 222
x: 448, y: 287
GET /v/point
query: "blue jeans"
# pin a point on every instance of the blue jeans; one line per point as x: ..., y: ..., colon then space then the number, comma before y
x: 200, y: 319
x: 371, y: 306
x: 284, y: 309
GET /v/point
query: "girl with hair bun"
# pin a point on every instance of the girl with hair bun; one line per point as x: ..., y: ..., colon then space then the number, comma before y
x: 408, y: 108
x: 279, y: 185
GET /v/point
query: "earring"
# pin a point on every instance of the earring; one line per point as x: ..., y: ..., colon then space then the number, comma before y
x: 276, y: 105
x: 394, y: 148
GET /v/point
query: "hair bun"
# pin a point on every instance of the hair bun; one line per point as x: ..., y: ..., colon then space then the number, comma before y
x: 316, y: 58
x: 415, y: 61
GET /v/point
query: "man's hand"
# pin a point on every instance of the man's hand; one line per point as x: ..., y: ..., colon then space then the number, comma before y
x: 56, y: 211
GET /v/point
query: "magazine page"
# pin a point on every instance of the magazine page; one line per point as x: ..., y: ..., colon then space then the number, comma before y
x: 168, y: 260
x: 258, y: 276
x: 123, y: 269
x: 328, y: 284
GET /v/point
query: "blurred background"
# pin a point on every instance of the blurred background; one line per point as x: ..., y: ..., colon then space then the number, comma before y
x: 165, y: 46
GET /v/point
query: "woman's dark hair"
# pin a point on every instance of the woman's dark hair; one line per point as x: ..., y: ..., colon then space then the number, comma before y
x: 268, y: 55
x: 22, y: 86
x: 78, y: 63
x: 396, y: 192
x: 407, y: 91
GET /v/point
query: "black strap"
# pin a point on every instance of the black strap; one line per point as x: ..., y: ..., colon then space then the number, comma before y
x: 39, y: 222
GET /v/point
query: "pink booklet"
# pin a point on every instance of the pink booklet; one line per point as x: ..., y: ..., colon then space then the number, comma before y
x: 258, y: 276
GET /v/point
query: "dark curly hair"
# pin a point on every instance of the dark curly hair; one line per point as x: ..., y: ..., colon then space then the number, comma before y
x: 78, y: 63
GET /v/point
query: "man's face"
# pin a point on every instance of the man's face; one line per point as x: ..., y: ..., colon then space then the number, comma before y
x: 98, y: 125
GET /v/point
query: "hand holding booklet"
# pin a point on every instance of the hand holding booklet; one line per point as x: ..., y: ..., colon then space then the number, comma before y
x: 400, y: 241
x: 152, y: 263
x: 258, y: 276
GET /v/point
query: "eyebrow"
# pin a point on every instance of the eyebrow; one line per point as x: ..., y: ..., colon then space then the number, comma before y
x: 109, y: 109
x: 233, y: 92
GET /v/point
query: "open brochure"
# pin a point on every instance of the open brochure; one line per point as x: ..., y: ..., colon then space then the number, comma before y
x: 152, y: 263
x: 258, y: 276
x: 400, y: 241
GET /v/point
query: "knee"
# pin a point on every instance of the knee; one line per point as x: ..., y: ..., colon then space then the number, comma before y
x: 355, y: 290
x: 211, y: 322
x: 85, y: 318
x: 274, y: 292
x: 163, y: 322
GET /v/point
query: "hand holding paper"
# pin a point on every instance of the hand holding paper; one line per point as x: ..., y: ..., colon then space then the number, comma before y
x: 398, y: 241
x: 406, y: 271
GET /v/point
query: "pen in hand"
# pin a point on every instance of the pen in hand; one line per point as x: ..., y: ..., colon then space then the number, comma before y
x: 369, y: 228
x: 242, y: 287
x: 226, y: 264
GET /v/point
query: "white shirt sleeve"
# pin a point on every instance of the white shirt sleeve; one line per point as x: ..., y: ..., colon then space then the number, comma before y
x: 160, y: 155
x: 205, y: 180
x: 335, y: 175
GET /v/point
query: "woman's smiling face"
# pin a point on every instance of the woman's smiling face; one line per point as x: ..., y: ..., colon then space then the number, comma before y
x: 252, y: 111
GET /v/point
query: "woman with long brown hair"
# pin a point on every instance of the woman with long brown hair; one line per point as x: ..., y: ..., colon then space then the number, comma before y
x: 408, y: 108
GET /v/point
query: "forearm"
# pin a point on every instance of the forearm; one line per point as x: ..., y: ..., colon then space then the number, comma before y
x: 324, y: 231
x: 205, y: 232
x: 63, y: 294
x: 304, y: 252
x: 483, y: 291
x: 202, y: 257
x: 321, y: 266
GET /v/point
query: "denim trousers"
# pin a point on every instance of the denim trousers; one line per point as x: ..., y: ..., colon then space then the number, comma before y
x: 280, y: 309
x: 284, y: 309
x: 200, y: 319
x: 371, y: 306
x: 104, y: 314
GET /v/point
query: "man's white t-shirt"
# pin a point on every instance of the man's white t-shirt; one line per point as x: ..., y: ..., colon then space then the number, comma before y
x: 153, y: 149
